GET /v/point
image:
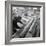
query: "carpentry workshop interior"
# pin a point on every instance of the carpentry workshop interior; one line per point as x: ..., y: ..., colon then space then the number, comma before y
x: 25, y: 21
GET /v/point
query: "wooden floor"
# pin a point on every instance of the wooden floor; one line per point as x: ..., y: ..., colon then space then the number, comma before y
x: 28, y: 31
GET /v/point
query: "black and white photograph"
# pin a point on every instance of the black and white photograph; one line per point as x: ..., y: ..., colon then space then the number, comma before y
x: 24, y: 21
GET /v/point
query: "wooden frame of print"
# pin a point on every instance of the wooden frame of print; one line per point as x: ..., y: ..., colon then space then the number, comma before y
x: 8, y: 25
